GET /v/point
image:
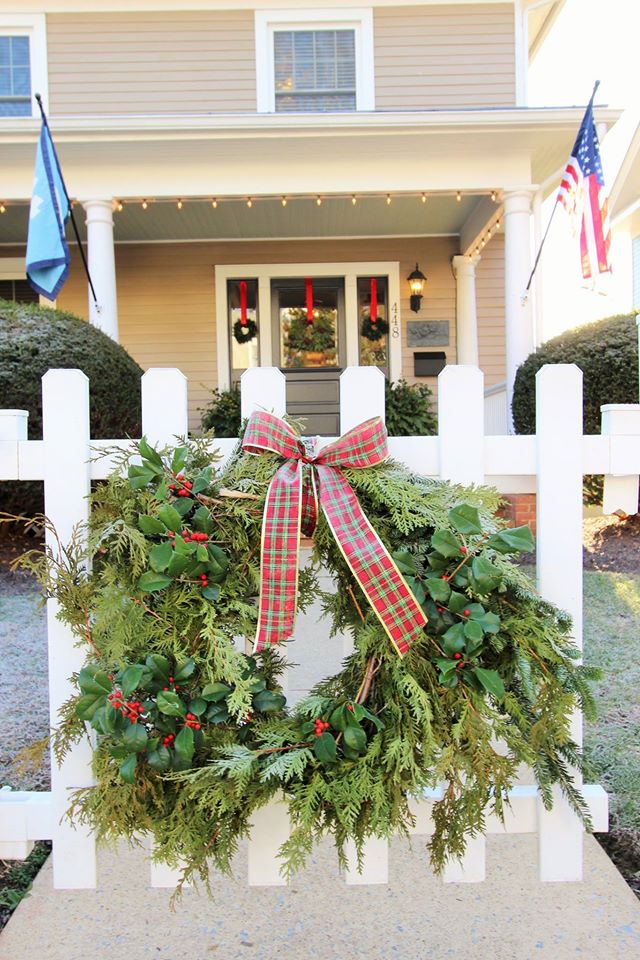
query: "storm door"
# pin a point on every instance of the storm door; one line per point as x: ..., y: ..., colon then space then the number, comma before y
x: 309, y: 347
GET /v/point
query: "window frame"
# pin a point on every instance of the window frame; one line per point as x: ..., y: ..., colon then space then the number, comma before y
x: 268, y: 22
x: 32, y: 25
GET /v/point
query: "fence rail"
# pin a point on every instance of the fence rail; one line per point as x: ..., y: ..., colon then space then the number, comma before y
x: 551, y: 463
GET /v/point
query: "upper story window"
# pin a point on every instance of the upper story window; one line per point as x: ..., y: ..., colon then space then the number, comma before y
x: 314, y: 61
x: 15, y: 77
x: 23, y: 64
x: 315, y: 70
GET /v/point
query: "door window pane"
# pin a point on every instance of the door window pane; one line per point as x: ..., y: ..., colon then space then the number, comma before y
x: 15, y: 77
x: 315, y: 70
x: 244, y: 339
x: 373, y: 337
x: 304, y: 343
x: 20, y: 291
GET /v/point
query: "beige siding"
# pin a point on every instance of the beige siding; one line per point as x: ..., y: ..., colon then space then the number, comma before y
x: 490, y: 306
x: 174, y: 62
x: 444, y: 56
x: 166, y: 295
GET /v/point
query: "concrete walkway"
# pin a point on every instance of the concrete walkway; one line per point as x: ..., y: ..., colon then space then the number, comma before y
x: 511, y: 916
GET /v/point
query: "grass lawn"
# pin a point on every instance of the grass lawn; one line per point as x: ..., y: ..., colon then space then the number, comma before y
x: 612, y: 742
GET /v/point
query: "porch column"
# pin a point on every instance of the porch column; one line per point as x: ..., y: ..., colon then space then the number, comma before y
x: 102, y: 266
x: 517, y: 266
x: 466, y: 317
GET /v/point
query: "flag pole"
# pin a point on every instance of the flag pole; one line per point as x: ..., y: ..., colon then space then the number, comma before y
x: 73, y: 219
x: 542, y: 242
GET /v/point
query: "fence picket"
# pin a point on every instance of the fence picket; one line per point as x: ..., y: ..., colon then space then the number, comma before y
x: 164, y: 405
x: 65, y: 429
x: 559, y: 572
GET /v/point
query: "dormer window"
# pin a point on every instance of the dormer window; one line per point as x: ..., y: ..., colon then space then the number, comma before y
x: 23, y: 63
x: 314, y: 61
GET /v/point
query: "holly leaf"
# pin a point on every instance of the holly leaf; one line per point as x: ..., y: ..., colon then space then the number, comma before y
x: 152, y: 582
x: 160, y: 556
x: 179, y: 459
x: 458, y: 602
x: 491, y: 681
x: 466, y: 519
x: 135, y: 737
x: 473, y: 630
x: 177, y: 565
x: 325, y: 748
x: 202, y: 520
x: 87, y: 706
x: 514, y: 540
x: 130, y: 679
x: 211, y: 592
x: 139, y: 480
x: 150, y: 526
x: 490, y: 622
x: 159, y: 759
x: 159, y: 666
x: 170, y: 704
x: 486, y: 576
x: 269, y: 702
x: 198, y: 706
x: 355, y: 738
x: 405, y: 562
x: 338, y: 718
x: 184, y: 670
x: 453, y: 639
x: 182, y: 506
x: 445, y: 543
x: 127, y: 768
x: 170, y: 517
x: 214, y: 692
x: 149, y: 454
x: 184, y: 744
x: 438, y: 589
x: 94, y: 681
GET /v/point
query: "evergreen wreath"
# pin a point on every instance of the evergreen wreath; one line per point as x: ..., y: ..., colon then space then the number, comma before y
x: 244, y: 333
x: 373, y: 331
x: 193, y: 735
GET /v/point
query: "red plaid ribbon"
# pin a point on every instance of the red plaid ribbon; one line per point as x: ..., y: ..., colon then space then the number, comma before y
x: 291, y: 506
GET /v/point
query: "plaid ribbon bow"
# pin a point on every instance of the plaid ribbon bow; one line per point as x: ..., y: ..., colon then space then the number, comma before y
x: 291, y: 506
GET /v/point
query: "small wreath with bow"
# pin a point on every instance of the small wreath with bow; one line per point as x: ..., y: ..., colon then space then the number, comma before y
x: 374, y: 330
x: 452, y: 649
x: 245, y: 332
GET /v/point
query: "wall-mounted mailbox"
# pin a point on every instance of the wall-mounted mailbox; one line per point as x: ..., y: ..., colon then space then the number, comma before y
x: 429, y: 364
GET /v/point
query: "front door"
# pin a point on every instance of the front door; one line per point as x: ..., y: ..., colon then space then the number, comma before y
x: 309, y: 347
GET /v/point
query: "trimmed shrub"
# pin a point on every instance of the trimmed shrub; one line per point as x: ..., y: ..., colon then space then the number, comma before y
x: 35, y: 339
x: 607, y: 353
x: 408, y: 411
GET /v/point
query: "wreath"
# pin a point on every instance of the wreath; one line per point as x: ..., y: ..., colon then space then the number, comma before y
x: 194, y: 735
x: 373, y: 331
x: 245, y: 332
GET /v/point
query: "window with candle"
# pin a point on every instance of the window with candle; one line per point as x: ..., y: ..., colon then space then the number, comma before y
x: 244, y: 336
x: 373, y: 322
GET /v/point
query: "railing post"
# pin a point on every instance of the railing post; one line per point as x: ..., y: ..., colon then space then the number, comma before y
x: 559, y: 571
x: 65, y: 430
x: 620, y: 494
x: 461, y: 436
x: 361, y: 396
x: 263, y: 388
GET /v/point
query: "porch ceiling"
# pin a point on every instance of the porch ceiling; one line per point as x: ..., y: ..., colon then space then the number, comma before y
x: 267, y: 219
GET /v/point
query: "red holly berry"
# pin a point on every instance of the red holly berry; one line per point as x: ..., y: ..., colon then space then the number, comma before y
x: 350, y: 707
x: 170, y: 679
x: 173, y: 543
x: 457, y: 656
x: 465, y: 613
x: 170, y: 533
x: 463, y: 550
x: 180, y: 476
x: 439, y: 609
x: 444, y: 577
x: 117, y: 694
x: 165, y: 688
x: 188, y: 484
x: 460, y: 663
x: 172, y: 486
x: 197, y: 726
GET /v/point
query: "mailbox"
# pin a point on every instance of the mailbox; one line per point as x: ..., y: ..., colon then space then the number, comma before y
x: 429, y: 364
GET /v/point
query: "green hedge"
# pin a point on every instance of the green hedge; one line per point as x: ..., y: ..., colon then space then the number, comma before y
x: 607, y: 353
x: 35, y: 339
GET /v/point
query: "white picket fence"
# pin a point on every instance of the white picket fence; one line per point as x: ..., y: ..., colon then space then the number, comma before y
x: 551, y: 463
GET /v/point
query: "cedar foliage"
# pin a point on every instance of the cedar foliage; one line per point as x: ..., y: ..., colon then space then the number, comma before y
x: 395, y: 727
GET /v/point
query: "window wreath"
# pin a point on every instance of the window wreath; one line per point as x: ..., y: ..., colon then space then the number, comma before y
x: 453, y: 649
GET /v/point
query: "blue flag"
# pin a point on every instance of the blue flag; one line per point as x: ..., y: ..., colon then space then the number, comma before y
x: 47, y: 251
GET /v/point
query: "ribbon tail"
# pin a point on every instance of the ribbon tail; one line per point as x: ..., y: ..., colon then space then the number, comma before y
x: 368, y: 559
x: 279, y: 553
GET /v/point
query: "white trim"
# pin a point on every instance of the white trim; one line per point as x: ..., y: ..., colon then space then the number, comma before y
x: 32, y: 25
x: 521, y: 39
x: 265, y: 272
x: 360, y: 19
x: 132, y: 6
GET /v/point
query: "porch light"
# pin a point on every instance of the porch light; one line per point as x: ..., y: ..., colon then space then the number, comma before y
x: 458, y: 196
x: 144, y: 204
x: 179, y: 204
x: 284, y: 201
x: 416, y: 284
x: 354, y: 199
x: 214, y: 203
x: 424, y: 198
x: 249, y: 202
x: 3, y: 209
x: 388, y: 199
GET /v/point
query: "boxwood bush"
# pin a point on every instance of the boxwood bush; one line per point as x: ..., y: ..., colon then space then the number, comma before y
x: 35, y: 339
x: 409, y: 411
x: 607, y: 353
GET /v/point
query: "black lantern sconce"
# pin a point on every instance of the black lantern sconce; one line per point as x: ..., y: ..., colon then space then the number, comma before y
x: 416, y: 284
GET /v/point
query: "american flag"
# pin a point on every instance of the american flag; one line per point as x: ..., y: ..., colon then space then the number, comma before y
x: 582, y: 193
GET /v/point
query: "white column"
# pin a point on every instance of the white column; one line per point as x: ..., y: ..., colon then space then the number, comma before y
x: 102, y: 266
x: 466, y: 316
x: 517, y: 267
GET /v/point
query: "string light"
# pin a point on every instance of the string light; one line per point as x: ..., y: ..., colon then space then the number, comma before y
x: 284, y: 201
x: 144, y: 204
x: 497, y: 224
x: 179, y: 204
x: 488, y: 234
x: 318, y: 201
x: 482, y: 242
x: 388, y: 199
x: 354, y: 199
x: 3, y: 209
x: 119, y: 206
x: 458, y: 196
x: 214, y: 203
x: 249, y: 202
x: 478, y: 250
x: 424, y: 198
x: 494, y: 195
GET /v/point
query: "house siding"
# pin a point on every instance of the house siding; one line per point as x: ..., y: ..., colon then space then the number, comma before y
x: 132, y: 63
x: 490, y: 311
x: 166, y: 296
x: 444, y: 56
